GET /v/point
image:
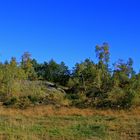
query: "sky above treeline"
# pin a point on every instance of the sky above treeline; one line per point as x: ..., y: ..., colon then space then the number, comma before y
x: 68, y: 30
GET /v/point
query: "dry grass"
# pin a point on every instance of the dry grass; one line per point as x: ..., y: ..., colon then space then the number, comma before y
x: 65, y: 111
x: 55, y: 123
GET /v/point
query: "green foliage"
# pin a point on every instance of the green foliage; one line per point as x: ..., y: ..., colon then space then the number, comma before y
x: 57, y: 73
x: 27, y: 66
x: 103, y: 55
x: 118, y: 98
x: 17, y: 102
x: 89, y: 84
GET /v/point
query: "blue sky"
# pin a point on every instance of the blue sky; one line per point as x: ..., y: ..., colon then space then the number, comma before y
x: 68, y: 30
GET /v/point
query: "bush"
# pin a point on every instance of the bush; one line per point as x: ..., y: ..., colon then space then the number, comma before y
x: 119, y: 98
x: 23, y: 103
x: 136, y: 99
x: 78, y: 100
x: 12, y: 101
x: 26, y: 94
x: 17, y: 102
x: 56, y: 97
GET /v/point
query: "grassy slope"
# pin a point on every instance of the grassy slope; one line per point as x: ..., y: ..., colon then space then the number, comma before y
x: 49, y: 123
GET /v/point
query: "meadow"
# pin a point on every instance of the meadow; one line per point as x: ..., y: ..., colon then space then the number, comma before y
x: 48, y: 101
x: 63, y: 123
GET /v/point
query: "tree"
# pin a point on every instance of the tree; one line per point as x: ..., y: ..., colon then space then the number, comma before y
x: 39, y: 69
x: 51, y: 70
x: 63, y: 74
x: 102, y: 53
x: 27, y: 66
x: 54, y: 72
x: 11, y: 74
x: 126, y: 68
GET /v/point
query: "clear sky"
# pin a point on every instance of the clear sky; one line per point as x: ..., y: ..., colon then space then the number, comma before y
x: 68, y: 30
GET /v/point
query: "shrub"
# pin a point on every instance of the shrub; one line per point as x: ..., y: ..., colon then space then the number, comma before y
x: 119, y: 98
x: 12, y: 101
x: 136, y: 99
x: 54, y: 96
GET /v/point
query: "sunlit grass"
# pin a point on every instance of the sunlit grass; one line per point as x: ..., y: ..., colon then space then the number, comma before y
x: 56, y: 124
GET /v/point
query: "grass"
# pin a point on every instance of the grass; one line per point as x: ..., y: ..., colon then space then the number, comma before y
x: 50, y: 123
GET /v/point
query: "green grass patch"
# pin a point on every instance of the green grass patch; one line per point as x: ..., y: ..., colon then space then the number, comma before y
x: 97, y: 127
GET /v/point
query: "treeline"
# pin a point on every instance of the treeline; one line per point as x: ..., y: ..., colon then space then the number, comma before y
x: 89, y: 84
